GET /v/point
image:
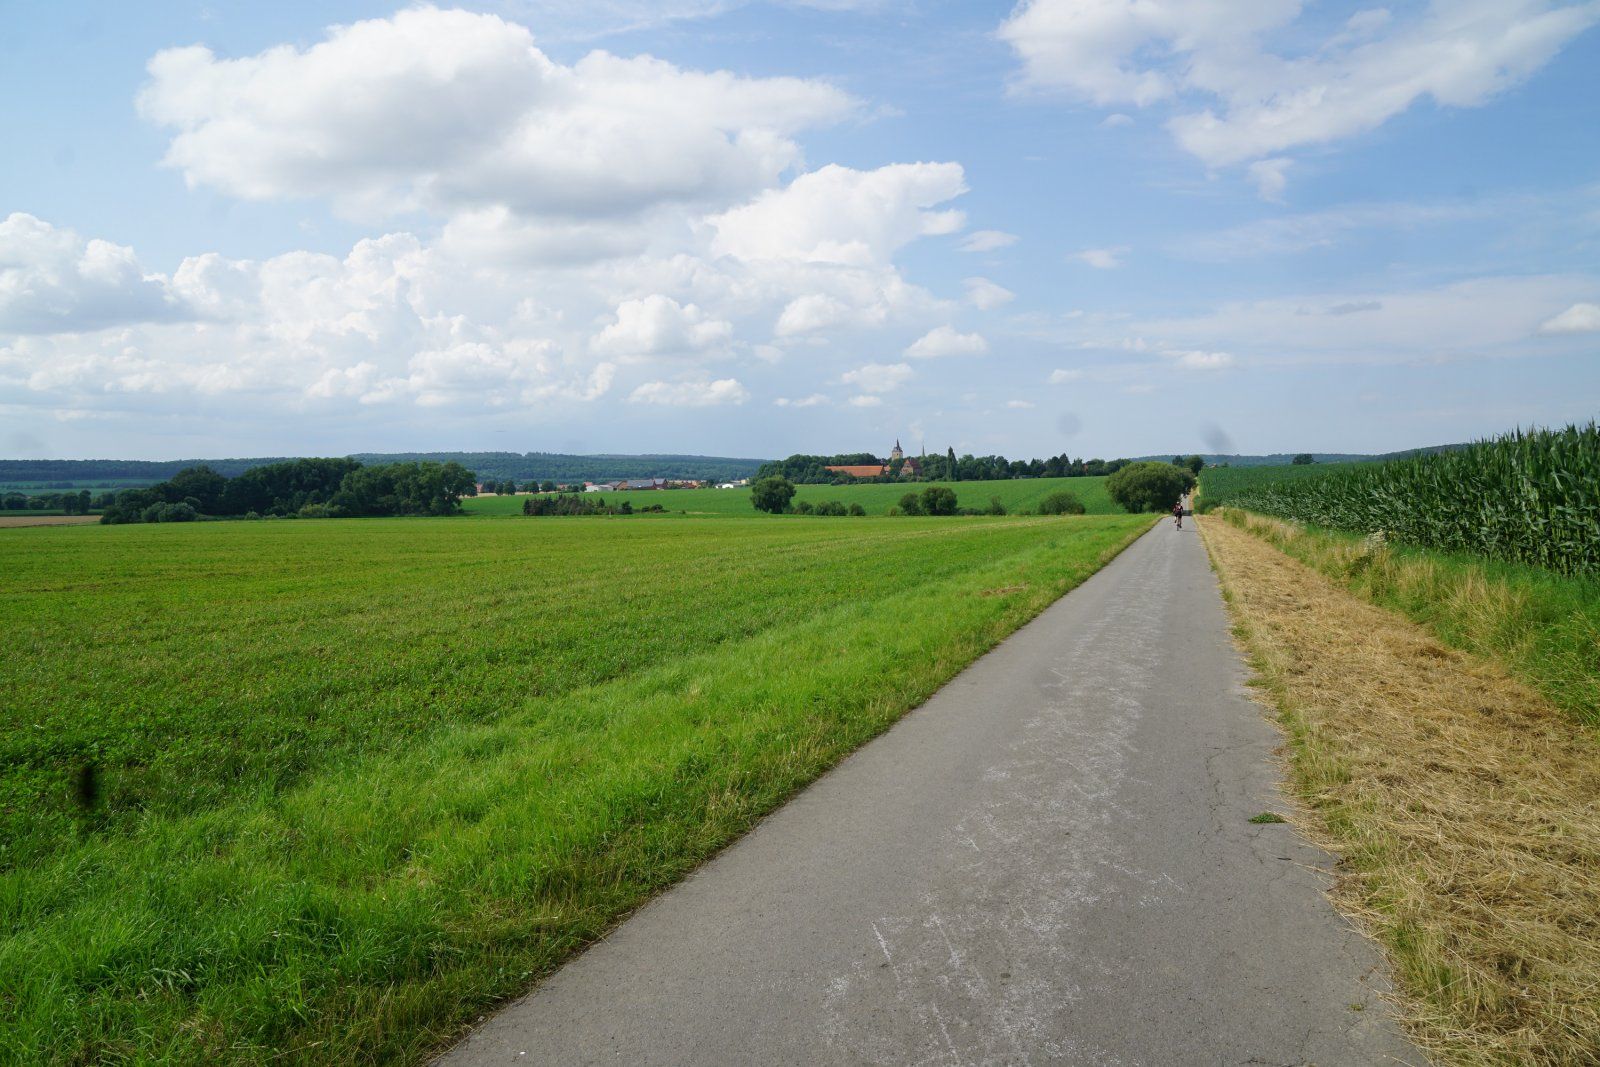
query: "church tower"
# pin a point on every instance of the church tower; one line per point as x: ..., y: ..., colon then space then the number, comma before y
x: 896, y: 454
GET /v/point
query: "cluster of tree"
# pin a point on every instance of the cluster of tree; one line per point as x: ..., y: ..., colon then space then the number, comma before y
x: 78, y: 503
x: 773, y: 494
x: 580, y: 504
x: 1149, y: 486
x: 934, y: 500
x: 314, y: 488
x: 828, y: 507
x: 949, y: 468
x: 813, y: 470
x: 1193, y: 464
x: 1061, y: 503
x: 510, y: 487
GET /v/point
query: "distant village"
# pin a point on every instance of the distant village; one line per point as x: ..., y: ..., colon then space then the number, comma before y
x: 631, y: 484
x: 847, y: 469
x: 898, y: 465
x: 621, y: 485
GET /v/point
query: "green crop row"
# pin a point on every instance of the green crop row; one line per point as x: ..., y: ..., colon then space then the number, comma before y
x: 1526, y: 497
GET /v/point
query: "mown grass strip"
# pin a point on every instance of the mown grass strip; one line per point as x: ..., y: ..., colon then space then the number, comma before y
x: 367, y: 913
x: 191, y: 664
x: 1462, y: 804
x: 1544, y: 627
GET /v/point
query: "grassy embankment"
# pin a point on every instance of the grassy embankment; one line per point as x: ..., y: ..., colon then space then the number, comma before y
x: 1543, y: 627
x: 357, y: 780
x: 1461, y: 800
x: 1015, y: 494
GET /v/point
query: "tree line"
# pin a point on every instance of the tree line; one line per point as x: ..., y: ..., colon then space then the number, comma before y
x: 78, y: 503
x: 308, y: 488
x: 804, y: 469
x: 511, y: 486
x: 580, y: 503
x: 519, y: 466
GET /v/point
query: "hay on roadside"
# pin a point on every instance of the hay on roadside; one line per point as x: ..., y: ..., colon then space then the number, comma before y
x: 1465, y: 807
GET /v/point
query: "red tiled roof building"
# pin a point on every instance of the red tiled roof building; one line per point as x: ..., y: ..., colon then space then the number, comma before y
x: 909, y: 467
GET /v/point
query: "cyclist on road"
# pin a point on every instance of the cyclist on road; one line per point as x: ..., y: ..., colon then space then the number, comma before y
x: 1177, y: 513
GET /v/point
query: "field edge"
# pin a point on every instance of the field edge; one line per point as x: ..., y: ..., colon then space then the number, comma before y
x: 1475, y: 875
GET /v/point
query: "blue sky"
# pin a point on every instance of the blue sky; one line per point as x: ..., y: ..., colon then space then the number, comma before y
x: 1087, y: 226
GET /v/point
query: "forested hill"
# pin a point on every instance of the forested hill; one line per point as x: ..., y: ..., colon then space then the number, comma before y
x: 564, y: 468
x: 1283, y: 459
x: 95, y: 473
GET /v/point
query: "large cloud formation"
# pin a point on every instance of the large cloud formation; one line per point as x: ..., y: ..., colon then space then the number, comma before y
x: 451, y: 111
x: 613, y: 225
x: 1238, y: 99
x: 52, y: 280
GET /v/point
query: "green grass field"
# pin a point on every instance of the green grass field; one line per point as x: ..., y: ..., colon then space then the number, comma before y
x: 358, y: 779
x: 1018, y: 494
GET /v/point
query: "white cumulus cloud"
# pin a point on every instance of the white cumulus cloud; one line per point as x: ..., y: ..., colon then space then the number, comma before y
x: 986, y: 295
x: 988, y: 241
x: 945, y: 341
x: 1102, y: 258
x: 839, y: 215
x: 451, y: 110
x: 54, y: 281
x: 1237, y: 100
x: 878, y: 377
x: 1271, y: 177
x: 1579, y: 318
x: 657, y: 325
x: 1195, y: 359
x: 691, y: 394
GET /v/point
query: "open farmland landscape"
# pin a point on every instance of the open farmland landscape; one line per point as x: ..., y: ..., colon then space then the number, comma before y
x: 730, y: 533
x: 1017, y: 495
x: 356, y: 778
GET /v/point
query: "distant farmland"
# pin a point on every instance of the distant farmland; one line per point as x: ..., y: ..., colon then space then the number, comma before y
x: 876, y: 498
x: 318, y: 791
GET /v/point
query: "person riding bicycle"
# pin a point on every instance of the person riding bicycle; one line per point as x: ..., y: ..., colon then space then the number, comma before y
x: 1177, y: 513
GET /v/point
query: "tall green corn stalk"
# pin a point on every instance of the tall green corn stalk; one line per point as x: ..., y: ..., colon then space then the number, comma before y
x: 1530, y: 497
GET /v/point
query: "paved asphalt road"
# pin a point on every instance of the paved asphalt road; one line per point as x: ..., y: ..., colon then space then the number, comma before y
x: 1049, y: 862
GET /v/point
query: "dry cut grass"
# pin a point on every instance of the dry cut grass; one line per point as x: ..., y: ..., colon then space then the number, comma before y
x: 1465, y: 808
x: 46, y: 520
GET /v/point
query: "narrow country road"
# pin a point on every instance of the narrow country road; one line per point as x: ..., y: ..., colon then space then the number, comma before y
x: 1049, y: 862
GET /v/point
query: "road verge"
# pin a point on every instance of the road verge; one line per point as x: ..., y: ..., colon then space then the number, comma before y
x: 1461, y: 802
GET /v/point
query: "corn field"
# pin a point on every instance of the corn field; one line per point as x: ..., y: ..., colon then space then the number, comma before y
x: 1529, y: 497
